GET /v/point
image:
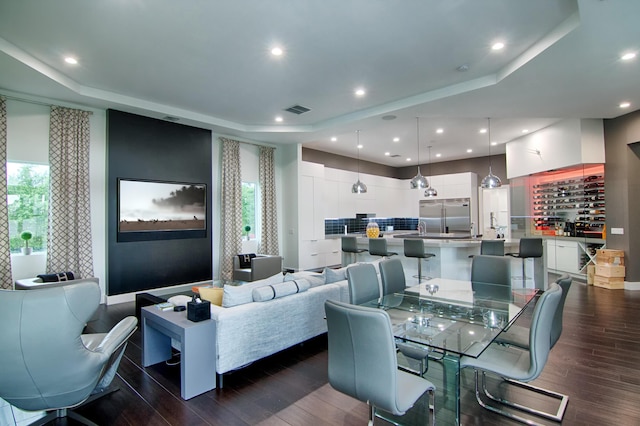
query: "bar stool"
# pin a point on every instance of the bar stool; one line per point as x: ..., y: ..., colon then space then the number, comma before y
x: 378, y: 247
x: 414, y: 247
x: 529, y: 248
x: 491, y: 248
x: 349, y: 245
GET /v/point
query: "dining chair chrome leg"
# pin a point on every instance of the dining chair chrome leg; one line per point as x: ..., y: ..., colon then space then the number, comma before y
x: 497, y: 410
x: 564, y: 400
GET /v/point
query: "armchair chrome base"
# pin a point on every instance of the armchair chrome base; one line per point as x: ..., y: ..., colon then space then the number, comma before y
x: 564, y: 400
x: 66, y: 412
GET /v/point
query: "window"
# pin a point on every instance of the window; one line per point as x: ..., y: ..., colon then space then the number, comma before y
x: 28, y: 201
x: 249, y: 209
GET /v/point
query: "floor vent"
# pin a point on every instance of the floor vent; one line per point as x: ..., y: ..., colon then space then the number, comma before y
x: 297, y: 109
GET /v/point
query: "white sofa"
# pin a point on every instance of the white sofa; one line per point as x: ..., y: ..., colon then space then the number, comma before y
x: 250, y: 331
x: 37, y: 283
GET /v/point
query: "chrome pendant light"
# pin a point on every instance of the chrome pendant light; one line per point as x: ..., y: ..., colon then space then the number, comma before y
x: 418, y: 180
x: 358, y: 187
x: 431, y: 191
x: 490, y: 181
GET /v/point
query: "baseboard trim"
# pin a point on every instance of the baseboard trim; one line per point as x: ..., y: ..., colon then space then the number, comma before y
x: 631, y: 285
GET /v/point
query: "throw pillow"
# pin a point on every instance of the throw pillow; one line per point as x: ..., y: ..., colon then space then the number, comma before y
x: 315, y: 279
x: 59, y: 276
x: 274, y: 291
x: 245, y: 260
x: 334, y: 275
x: 212, y: 294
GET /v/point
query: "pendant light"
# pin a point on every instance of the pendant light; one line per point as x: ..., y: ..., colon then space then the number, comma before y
x: 430, y: 191
x: 490, y: 181
x: 358, y: 187
x: 418, y: 180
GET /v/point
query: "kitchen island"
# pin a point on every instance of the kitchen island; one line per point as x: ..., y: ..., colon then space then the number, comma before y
x: 451, y: 259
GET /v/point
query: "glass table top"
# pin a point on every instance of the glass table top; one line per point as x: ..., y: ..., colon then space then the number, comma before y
x: 452, y: 315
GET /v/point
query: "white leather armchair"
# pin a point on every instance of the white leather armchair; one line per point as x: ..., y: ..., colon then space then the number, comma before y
x: 262, y: 266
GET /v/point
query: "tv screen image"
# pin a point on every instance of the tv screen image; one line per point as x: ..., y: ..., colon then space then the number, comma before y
x: 145, y: 206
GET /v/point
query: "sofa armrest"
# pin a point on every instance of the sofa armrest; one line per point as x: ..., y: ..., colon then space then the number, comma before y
x: 264, y: 266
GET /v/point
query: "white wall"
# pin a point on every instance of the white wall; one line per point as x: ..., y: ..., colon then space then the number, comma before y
x: 28, y: 141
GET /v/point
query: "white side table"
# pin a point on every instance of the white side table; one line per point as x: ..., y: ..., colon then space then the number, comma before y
x: 197, y: 347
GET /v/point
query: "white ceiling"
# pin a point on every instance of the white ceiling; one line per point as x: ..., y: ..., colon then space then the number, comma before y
x: 208, y: 63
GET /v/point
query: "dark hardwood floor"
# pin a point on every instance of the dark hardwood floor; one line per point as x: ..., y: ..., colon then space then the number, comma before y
x: 596, y: 362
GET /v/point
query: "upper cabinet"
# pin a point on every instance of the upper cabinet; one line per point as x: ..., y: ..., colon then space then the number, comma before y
x: 563, y: 144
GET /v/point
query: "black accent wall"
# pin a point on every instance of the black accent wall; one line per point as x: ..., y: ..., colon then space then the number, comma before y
x: 145, y: 148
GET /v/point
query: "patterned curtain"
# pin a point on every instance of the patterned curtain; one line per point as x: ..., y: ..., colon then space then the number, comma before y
x: 231, y: 215
x: 69, y: 237
x: 266, y: 170
x: 6, y: 281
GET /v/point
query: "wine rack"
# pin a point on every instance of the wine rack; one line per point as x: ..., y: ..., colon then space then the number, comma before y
x: 580, y: 201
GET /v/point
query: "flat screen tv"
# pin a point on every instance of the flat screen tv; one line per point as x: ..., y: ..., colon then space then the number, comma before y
x: 152, y: 210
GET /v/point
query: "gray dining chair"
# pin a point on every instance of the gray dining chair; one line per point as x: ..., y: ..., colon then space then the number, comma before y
x: 47, y: 363
x: 518, y: 335
x: 491, y: 248
x: 350, y: 245
x: 491, y: 276
x: 378, y: 247
x: 363, y: 283
x: 362, y: 361
x: 393, y: 281
x: 414, y: 247
x: 518, y: 366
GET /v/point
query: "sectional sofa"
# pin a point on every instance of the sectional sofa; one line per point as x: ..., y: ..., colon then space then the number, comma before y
x: 264, y: 317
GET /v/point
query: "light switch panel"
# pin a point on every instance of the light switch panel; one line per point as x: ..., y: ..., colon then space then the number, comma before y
x: 617, y: 231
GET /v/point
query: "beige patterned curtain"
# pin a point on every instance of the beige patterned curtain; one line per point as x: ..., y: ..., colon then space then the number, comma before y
x: 266, y: 170
x: 231, y: 215
x: 69, y: 237
x: 6, y: 281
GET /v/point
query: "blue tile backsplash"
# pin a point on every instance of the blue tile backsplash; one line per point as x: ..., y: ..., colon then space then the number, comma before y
x: 336, y: 226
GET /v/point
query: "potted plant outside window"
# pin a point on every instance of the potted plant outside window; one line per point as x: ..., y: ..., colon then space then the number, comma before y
x: 26, y: 236
x: 247, y: 229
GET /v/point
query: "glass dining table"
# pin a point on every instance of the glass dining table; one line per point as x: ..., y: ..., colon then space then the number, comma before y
x: 452, y: 318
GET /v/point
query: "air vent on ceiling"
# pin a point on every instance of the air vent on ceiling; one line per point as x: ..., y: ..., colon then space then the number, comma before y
x: 297, y: 109
x: 394, y: 155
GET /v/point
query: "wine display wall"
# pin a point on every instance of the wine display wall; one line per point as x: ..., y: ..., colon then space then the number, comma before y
x: 570, y: 205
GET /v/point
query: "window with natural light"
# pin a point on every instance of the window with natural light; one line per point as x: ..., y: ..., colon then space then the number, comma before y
x: 249, y: 194
x: 28, y: 201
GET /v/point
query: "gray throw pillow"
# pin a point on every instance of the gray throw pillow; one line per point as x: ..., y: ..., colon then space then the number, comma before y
x: 334, y: 275
x: 274, y: 291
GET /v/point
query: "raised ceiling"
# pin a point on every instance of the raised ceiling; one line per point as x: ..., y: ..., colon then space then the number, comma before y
x: 209, y: 64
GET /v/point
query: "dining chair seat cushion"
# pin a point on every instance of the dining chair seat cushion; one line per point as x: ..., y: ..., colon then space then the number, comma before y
x: 505, y: 361
x: 410, y: 388
x: 518, y: 336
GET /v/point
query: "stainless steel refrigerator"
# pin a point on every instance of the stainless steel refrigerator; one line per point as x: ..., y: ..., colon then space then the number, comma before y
x: 451, y: 215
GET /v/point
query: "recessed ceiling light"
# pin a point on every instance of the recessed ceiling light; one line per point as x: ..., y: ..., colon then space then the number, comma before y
x: 497, y: 46
x: 625, y: 104
x: 438, y: 155
x: 494, y: 143
x: 360, y: 92
x: 386, y: 154
x: 440, y: 131
x: 396, y: 139
x: 360, y: 146
x: 525, y: 130
x: 469, y: 151
x: 483, y: 130
x: 277, y: 51
x: 628, y: 56
x: 334, y: 139
x: 279, y: 119
x: 71, y: 60
x: 408, y: 158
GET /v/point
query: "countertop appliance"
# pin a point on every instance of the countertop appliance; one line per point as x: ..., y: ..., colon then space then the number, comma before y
x: 451, y: 216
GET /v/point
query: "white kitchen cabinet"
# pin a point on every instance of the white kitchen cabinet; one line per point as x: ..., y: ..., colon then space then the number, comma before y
x: 311, y: 202
x: 316, y: 254
x: 563, y: 256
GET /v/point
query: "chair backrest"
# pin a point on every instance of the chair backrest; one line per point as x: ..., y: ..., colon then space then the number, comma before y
x: 492, y: 247
x: 349, y: 244
x: 556, y: 328
x: 413, y: 247
x: 363, y: 283
x: 362, y: 358
x: 491, y: 270
x: 378, y: 246
x: 44, y: 362
x: 392, y: 276
x: 540, y: 331
x: 530, y: 247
